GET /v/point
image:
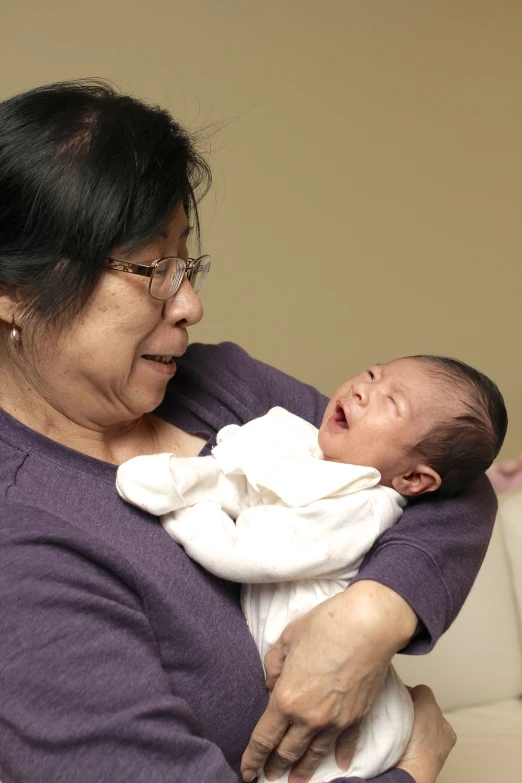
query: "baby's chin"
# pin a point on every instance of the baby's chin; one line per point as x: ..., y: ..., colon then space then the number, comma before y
x: 332, y: 454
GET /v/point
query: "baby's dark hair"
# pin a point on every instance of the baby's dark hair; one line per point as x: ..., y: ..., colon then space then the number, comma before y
x: 463, y: 447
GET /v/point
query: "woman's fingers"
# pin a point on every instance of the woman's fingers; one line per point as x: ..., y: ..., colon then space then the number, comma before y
x: 303, y: 751
x: 298, y: 746
x: 274, y: 662
x: 431, y: 740
x: 268, y: 733
x: 280, y: 741
x: 346, y: 745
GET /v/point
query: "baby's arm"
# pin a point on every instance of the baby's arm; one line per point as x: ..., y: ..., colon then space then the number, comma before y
x: 161, y: 483
x: 272, y: 543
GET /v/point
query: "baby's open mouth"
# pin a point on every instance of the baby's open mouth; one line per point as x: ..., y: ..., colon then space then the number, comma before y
x: 163, y: 359
x: 340, y: 417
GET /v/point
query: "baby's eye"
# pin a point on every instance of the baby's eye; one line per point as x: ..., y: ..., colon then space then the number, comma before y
x: 371, y: 375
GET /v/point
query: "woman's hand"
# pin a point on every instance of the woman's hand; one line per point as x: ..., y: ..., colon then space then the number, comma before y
x: 325, y: 672
x: 431, y: 740
x: 506, y: 475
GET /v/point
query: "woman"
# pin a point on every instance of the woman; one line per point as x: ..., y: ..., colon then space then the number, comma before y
x: 120, y: 658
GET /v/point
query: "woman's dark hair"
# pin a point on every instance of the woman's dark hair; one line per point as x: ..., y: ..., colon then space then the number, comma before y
x: 463, y: 447
x: 84, y: 169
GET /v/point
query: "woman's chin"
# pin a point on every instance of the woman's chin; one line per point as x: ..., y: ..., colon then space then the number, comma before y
x: 150, y: 384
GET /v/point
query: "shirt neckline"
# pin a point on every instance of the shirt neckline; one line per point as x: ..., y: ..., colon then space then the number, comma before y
x: 24, y: 439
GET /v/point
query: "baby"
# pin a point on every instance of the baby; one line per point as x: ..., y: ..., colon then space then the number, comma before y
x: 291, y: 511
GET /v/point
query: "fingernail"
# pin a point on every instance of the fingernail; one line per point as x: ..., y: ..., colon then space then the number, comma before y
x: 248, y: 775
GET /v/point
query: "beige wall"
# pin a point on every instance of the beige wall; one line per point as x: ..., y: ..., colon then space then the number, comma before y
x: 368, y: 187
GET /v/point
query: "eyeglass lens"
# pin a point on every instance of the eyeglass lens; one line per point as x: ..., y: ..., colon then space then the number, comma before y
x: 168, y: 276
x: 199, y: 273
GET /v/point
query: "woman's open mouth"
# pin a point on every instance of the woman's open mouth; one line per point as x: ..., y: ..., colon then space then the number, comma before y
x: 161, y: 358
x: 163, y: 364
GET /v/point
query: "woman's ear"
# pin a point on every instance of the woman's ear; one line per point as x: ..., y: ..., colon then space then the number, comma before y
x: 418, y: 481
x: 9, y: 303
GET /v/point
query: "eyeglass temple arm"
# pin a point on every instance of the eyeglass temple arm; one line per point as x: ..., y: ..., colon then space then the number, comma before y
x: 133, y: 269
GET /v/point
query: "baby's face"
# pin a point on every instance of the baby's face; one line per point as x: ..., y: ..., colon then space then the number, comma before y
x: 375, y: 418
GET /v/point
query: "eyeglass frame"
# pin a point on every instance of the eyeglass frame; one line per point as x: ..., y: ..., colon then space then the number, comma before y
x: 147, y: 270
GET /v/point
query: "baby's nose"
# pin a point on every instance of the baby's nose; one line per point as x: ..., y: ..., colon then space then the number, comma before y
x: 360, y: 392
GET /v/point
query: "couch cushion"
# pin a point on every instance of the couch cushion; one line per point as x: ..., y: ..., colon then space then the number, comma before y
x: 480, y: 658
x: 489, y: 744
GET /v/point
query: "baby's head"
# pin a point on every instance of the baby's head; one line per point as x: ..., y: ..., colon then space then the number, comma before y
x: 427, y: 423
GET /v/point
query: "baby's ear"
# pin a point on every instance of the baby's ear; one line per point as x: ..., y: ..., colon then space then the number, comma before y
x: 418, y: 481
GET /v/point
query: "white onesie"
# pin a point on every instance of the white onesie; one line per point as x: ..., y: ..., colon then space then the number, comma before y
x: 267, y: 510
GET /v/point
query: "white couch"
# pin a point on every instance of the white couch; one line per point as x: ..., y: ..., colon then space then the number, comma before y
x: 476, y: 669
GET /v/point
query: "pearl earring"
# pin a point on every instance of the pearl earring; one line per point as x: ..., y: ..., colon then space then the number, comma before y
x: 15, y: 336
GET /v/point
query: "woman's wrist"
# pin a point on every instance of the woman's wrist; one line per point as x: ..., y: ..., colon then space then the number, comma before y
x: 381, y: 609
x: 419, y: 772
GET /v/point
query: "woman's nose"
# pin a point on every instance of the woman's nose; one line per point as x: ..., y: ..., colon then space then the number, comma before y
x: 184, y: 306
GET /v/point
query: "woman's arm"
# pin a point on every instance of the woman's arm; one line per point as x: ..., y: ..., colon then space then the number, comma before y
x: 84, y: 694
x: 432, y: 557
x: 325, y: 671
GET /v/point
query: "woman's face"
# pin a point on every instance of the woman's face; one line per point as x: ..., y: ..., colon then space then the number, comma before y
x: 103, y: 369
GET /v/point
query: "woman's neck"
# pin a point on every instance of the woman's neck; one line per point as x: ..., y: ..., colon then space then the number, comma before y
x: 147, y: 434
x: 114, y: 442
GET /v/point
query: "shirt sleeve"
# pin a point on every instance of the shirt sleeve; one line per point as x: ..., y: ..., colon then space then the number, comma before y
x: 433, y: 555
x: 106, y: 712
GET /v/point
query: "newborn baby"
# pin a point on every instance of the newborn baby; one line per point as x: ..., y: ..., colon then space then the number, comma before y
x: 291, y: 511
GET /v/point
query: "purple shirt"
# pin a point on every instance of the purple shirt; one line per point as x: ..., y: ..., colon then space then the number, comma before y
x: 123, y: 660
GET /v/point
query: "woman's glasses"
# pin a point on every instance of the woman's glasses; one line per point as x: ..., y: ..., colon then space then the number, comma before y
x: 166, y: 274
